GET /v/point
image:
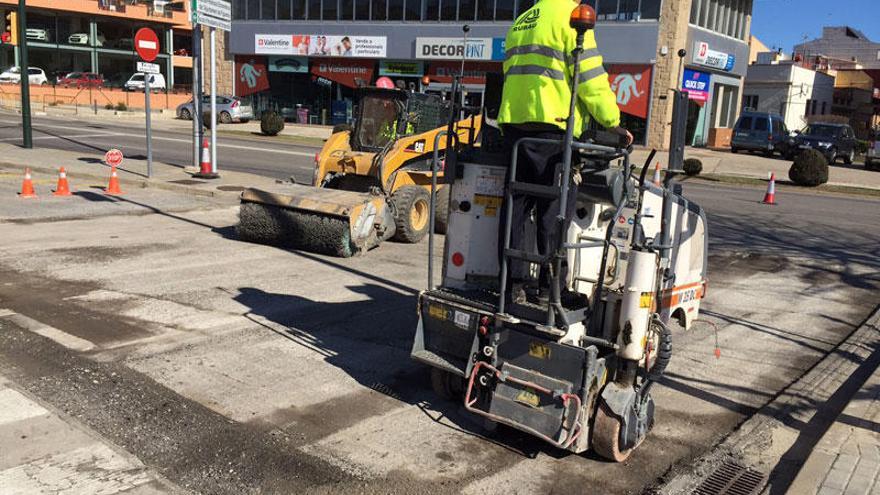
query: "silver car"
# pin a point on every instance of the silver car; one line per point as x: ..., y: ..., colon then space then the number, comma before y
x: 229, y: 109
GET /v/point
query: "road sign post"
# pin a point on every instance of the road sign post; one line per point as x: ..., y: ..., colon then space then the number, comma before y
x: 214, y: 122
x: 216, y: 14
x: 24, y: 76
x: 146, y: 43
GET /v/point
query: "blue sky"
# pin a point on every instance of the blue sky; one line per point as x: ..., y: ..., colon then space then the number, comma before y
x: 784, y: 23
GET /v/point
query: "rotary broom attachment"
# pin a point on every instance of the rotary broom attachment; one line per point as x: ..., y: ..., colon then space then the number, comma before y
x: 324, y: 221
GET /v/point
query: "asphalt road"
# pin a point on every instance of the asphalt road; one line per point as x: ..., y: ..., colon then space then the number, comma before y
x: 172, y: 144
x: 235, y: 368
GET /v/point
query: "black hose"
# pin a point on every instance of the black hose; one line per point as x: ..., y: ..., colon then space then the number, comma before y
x: 664, y: 351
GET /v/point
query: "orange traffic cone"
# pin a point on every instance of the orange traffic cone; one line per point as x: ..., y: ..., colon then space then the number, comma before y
x: 63, y: 188
x: 113, y: 187
x: 657, y: 180
x: 205, y: 171
x: 27, y: 186
x: 770, y: 195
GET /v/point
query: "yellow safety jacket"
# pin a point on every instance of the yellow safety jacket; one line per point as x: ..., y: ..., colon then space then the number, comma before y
x: 537, y: 75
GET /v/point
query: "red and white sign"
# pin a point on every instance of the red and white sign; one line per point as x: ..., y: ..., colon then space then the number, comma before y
x: 252, y: 76
x: 113, y: 158
x: 632, y: 85
x: 146, y: 44
x: 349, y: 73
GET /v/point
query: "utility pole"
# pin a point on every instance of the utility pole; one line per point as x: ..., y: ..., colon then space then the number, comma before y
x: 26, y: 131
x: 197, y: 93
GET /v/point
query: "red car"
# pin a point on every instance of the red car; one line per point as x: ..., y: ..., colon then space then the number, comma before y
x: 82, y: 80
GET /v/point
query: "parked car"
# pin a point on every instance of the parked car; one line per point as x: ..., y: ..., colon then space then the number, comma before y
x: 82, y: 80
x: 35, y: 76
x: 136, y: 82
x: 229, y: 109
x: 38, y: 34
x: 764, y: 132
x: 83, y: 39
x: 872, y: 157
x: 832, y: 140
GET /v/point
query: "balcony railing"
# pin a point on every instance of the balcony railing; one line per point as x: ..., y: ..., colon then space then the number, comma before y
x: 112, y: 5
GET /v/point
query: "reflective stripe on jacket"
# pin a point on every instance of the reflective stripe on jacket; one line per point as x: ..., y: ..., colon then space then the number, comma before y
x: 537, y: 75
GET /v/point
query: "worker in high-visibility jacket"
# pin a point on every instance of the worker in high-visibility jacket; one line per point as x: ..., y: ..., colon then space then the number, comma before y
x: 535, y: 103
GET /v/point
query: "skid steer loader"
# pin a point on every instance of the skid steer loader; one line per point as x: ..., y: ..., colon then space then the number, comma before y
x: 576, y: 371
x: 371, y: 182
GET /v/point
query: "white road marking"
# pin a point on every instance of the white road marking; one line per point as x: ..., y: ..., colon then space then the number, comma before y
x: 16, y: 407
x: 103, y: 134
x: 67, y: 340
x: 255, y: 147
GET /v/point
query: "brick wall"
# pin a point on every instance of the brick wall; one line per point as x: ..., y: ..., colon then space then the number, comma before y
x: 225, y: 81
x: 673, y: 35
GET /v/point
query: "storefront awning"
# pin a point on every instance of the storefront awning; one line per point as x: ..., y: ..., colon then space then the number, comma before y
x: 348, y: 72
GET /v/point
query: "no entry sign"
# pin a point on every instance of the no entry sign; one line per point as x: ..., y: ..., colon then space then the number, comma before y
x: 146, y: 43
x: 113, y: 158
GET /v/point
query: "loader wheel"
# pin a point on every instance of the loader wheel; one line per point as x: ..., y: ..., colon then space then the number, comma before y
x: 446, y: 385
x: 606, y: 435
x: 412, y: 209
x: 441, y: 221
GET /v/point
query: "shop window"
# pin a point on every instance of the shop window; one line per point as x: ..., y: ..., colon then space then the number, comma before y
x: 629, y: 10
x: 239, y: 9
x: 268, y: 10
x: 41, y: 28
x: 650, y: 9
x: 485, y: 10
x: 432, y: 10
x: 314, y: 10
x: 504, y: 10
x: 298, y: 9
x: 395, y: 10
x: 380, y: 10
x: 413, y: 10
x: 447, y: 10
x: 346, y: 10
x: 362, y: 10
x: 253, y: 9
x: 284, y: 10
x: 607, y: 10
x: 522, y: 6
x: 331, y: 10
x: 467, y: 10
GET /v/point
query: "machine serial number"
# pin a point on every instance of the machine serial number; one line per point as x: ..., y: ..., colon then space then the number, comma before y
x: 528, y: 397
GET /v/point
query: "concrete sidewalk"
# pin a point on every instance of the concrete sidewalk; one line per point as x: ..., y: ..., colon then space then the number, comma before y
x: 847, y: 458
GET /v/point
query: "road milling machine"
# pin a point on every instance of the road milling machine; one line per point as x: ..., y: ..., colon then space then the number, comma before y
x: 371, y: 182
x: 575, y: 371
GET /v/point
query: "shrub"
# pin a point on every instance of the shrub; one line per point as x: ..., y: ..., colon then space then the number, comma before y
x: 271, y: 123
x: 810, y: 169
x: 108, y: 106
x: 693, y: 167
x: 121, y: 107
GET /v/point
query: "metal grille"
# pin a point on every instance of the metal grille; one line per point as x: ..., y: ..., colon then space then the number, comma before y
x: 230, y: 188
x: 187, y: 182
x: 732, y: 479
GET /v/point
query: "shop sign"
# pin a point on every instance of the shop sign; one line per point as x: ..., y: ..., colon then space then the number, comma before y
x: 351, y: 73
x: 293, y: 64
x: 454, y: 48
x: 696, y: 84
x: 474, y: 72
x: 703, y: 55
x: 251, y: 75
x: 632, y: 85
x: 321, y: 45
x: 396, y: 68
x: 498, y: 50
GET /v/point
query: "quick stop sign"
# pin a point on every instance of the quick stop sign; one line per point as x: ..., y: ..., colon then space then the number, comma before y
x: 146, y: 44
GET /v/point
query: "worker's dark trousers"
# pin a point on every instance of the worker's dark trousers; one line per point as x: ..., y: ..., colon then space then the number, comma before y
x: 537, y: 163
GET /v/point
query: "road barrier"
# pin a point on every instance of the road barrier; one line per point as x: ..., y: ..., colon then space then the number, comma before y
x: 89, y: 98
x: 113, y: 187
x: 770, y: 195
x: 63, y: 188
x: 27, y: 186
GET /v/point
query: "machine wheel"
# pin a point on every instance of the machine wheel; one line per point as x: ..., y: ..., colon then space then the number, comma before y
x: 734, y: 150
x: 185, y: 114
x: 441, y: 221
x: 606, y: 435
x: 850, y: 158
x: 412, y: 210
x: 446, y: 385
x: 225, y: 118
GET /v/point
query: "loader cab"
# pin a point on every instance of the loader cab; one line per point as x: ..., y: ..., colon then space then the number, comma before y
x: 384, y: 115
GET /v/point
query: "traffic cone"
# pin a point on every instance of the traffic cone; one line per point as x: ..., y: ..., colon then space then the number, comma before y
x: 770, y: 195
x: 63, y: 188
x: 205, y: 171
x: 27, y: 186
x: 657, y: 180
x: 113, y: 187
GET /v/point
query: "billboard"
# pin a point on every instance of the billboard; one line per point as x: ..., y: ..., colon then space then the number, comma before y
x: 632, y: 85
x: 351, y: 73
x: 696, y: 84
x: 321, y: 45
x: 703, y: 55
x: 251, y: 75
x: 454, y: 48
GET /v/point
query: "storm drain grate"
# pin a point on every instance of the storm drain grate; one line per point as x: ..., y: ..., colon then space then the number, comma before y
x: 230, y: 188
x: 186, y: 182
x: 731, y: 479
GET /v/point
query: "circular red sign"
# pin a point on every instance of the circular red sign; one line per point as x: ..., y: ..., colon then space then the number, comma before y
x: 146, y: 44
x: 113, y: 158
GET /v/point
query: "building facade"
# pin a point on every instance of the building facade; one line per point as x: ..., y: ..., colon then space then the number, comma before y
x: 841, y: 47
x: 857, y: 96
x: 304, y: 57
x: 782, y: 87
x: 66, y: 36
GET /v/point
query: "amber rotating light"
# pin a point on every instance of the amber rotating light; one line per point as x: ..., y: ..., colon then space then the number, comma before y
x: 583, y: 18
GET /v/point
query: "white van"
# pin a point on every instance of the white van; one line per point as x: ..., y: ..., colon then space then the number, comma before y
x: 136, y: 82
